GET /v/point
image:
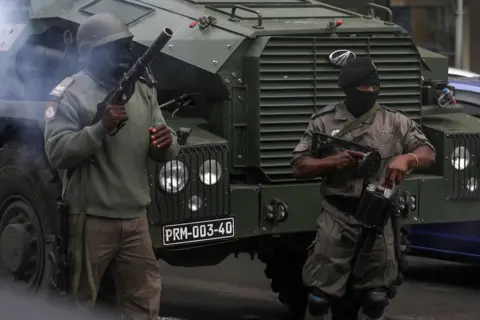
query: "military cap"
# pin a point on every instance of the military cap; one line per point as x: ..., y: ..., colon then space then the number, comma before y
x: 358, y: 71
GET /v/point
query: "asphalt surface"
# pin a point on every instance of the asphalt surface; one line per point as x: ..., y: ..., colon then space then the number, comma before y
x: 237, y: 289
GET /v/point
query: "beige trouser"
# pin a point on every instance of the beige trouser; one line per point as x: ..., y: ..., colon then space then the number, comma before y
x: 126, y: 246
x: 329, y: 264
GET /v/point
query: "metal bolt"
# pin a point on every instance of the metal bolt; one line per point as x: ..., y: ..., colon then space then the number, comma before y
x: 215, y: 61
x: 170, y: 45
x: 239, y: 80
x: 415, y: 219
x: 240, y: 97
x: 239, y: 156
x: 282, y: 212
x: 229, y: 46
x: 234, y: 74
x: 227, y: 81
x: 264, y: 229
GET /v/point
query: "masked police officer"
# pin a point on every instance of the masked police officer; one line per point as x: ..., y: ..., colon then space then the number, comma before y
x: 106, y: 185
x: 402, y: 147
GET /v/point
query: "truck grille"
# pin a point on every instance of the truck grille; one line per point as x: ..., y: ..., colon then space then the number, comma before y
x: 214, y: 199
x: 464, y: 184
x: 297, y: 78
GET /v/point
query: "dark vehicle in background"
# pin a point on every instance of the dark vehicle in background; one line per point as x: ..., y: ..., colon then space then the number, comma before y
x: 455, y: 241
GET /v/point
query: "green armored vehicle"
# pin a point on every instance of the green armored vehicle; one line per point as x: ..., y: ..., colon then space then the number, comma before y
x: 238, y: 81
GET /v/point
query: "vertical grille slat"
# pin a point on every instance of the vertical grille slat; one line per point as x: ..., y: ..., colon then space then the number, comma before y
x: 296, y: 78
x: 464, y: 178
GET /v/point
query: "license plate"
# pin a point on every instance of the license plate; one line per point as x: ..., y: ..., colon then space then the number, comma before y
x: 198, y: 231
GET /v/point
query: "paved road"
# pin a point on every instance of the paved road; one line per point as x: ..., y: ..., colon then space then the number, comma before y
x: 237, y: 289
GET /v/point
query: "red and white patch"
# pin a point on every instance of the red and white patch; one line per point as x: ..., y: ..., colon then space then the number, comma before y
x: 51, y: 111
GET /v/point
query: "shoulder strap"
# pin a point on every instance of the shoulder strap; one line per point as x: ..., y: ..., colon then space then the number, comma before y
x: 353, y: 124
x: 57, y: 93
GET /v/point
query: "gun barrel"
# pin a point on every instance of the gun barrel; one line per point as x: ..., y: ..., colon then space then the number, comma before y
x: 344, y: 143
x: 157, y: 45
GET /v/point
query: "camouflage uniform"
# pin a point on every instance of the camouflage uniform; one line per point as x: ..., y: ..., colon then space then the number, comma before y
x: 328, y: 267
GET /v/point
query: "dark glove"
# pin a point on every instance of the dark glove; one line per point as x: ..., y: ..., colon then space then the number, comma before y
x: 113, y: 117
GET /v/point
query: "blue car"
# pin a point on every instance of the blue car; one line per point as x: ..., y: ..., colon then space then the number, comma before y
x: 452, y: 241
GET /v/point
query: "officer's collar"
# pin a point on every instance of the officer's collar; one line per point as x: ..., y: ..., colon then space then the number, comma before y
x: 342, y: 114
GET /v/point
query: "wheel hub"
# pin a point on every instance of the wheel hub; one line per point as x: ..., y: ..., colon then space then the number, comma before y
x: 21, y: 246
x: 15, y: 247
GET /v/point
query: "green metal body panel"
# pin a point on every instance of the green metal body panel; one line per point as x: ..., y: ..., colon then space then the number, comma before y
x: 436, y: 63
x: 256, y: 76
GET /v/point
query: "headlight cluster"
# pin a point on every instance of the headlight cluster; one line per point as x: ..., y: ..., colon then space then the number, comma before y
x: 174, y: 176
x: 460, y: 159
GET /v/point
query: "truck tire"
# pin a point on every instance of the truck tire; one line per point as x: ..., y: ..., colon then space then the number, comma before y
x: 27, y: 213
x: 284, y: 268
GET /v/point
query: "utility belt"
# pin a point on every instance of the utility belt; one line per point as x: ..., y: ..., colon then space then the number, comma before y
x: 348, y: 205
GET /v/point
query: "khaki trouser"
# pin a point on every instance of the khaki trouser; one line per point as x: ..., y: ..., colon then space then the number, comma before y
x: 127, y: 246
x: 330, y: 260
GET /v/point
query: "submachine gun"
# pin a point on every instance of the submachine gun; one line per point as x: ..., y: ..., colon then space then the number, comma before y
x: 377, y: 204
x: 119, y: 95
x: 367, y: 167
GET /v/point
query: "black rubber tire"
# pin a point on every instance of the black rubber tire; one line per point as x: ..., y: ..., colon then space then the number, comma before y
x: 25, y: 175
x: 284, y: 268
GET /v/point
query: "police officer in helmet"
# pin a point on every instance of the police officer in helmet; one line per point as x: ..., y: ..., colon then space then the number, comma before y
x: 402, y: 147
x: 106, y: 182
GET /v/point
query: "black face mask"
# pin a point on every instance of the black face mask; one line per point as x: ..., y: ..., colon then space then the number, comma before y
x: 109, y: 62
x: 359, y: 102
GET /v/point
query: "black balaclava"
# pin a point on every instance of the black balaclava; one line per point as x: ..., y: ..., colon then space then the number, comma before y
x: 110, y: 61
x: 358, y: 72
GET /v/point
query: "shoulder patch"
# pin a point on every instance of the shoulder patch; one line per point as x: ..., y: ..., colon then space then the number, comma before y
x: 58, y: 91
x: 324, y: 110
x: 50, y: 110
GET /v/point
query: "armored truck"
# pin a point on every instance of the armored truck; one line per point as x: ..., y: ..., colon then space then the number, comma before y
x: 238, y: 82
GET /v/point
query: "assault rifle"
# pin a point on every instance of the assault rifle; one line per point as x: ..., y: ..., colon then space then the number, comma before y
x: 126, y: 85
x: 60, y: 260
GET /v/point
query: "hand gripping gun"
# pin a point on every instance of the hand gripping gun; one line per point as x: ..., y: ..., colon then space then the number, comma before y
x: 368, y: 166
x: 126, y: 85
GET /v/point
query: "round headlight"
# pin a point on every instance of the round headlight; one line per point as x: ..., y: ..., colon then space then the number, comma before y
x: 173, y: 176
x: 194, y: 203
x: 210, y: 172
x: 472, y: 184
x: 460, y: 158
